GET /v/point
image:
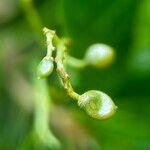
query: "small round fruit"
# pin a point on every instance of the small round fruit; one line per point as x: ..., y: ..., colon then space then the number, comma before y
x: 45, y: 68
x: 99, y: 55
x: 97, y: 104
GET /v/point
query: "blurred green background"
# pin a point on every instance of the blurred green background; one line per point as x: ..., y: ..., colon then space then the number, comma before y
x: 122, y: 24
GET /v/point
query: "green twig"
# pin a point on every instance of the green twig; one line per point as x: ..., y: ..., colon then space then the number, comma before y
x: 42, y: 107
x: 49, y: 37
x: 32, y: 17
x: 77, y: 63
x: 61, y: 69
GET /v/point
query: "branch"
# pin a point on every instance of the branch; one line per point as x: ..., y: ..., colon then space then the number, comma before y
x: 61, y: 69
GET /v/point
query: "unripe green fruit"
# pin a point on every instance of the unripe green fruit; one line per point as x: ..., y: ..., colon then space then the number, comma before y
x: 99, y: 55
x: 45, y: 68
x: 97, y: 104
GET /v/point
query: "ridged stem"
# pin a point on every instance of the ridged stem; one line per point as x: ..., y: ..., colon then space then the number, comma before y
x: 61, y: 69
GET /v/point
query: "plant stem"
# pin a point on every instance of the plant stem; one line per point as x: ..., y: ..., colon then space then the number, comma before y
x: 77, y: 63
x: 32, y: 17
x: 49, y: 36
x: 61, y: 69
x: 42, y: 108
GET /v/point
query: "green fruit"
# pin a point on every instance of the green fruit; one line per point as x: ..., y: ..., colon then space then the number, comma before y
x: 97, y: 104
x: 45, y: 68
x: 99, y: 55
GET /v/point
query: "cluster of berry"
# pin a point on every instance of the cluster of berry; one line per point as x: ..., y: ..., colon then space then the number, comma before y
x: 97, y: 104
